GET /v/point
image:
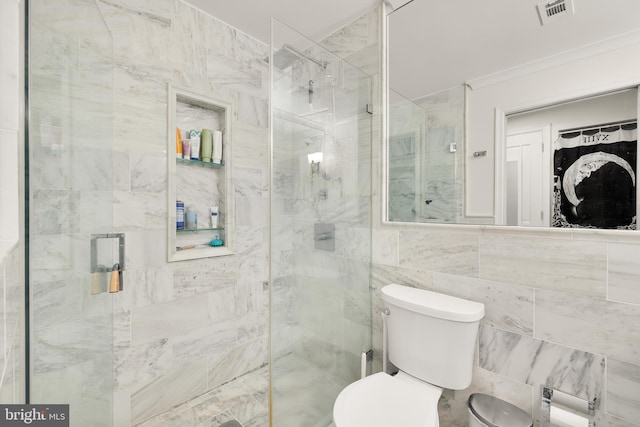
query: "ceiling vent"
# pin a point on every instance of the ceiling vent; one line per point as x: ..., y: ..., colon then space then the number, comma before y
x: 550, y: 11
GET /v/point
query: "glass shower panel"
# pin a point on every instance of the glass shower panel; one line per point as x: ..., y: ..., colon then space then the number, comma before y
x: 70, y: 199
x: 320, y: 228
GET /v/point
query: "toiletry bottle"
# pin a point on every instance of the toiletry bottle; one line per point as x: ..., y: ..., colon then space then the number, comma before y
x: 186, y: 149
x: 178, y: 144
x: 216, y: 156
x: 195, y: 144
x: 214, y: 217
x: 206, y: 145
x: 191, y: 219
x: 179, y: 215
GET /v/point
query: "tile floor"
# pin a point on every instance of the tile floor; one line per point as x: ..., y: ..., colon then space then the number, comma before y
x: 303, y: 395
x: 245, y: 399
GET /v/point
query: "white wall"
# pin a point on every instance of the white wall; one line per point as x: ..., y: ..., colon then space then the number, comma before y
x: 599, y: 73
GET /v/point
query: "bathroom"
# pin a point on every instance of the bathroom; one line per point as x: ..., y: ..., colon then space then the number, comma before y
x: 222, y: 334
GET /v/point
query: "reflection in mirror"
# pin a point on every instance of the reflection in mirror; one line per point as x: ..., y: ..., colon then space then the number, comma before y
x: 421, y: 155
x: 502, y: 58
x: 573, y: 165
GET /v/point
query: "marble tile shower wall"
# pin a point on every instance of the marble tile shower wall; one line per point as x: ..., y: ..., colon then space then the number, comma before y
x: 191, y: 326
x: 561, y: 311
x: 11, y: 334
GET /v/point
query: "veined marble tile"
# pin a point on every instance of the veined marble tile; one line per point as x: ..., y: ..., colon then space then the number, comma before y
x: 55, y: 303
x: 238, y: 402
x: 121, y: 329
x: 385, y: 247
x: 157, y: 12
x: 353, y: 242
x: 355, y: 36
x: 535, y: 362
x: 148, y: 173
x: 623, y: 263
x: 252, y: 110
x: 49, y: 168
x: 139, y: 210
x: 236, y: 361
x: 249, y: 182
x: 146, y: 248
x: 139, y: 124
x: 507, y: 307
x: 225, y: 71
x: 570, y: 266
x: 136, y: 366
x: 445, y: 252
x: 139, y: 80
x: 52, y: 252
x: 589, y: 324
x: 145, y: 287
x: 184, y: 382
x: 221, y: 305
x: 51, y: 211
x: 169, y: 319
x: 178, y: 416
x: 251, y: 211
x: 201, y: 342
x: 250, y: 146
x: 91, y: 211
x: 196, y: 278
x: 623, y: 390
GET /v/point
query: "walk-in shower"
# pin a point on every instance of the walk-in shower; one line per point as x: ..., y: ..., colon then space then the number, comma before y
x: 320, y: 228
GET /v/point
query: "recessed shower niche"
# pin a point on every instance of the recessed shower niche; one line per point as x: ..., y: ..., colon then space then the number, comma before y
x: 199, y: 176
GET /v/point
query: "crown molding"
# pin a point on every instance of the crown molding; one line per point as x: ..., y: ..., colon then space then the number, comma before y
x: 613, y: 43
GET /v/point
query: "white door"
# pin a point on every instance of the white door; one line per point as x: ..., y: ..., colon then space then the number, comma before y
x: 527, y: 171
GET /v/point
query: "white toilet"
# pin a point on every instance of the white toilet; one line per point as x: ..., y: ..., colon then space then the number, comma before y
x: 431, y: 339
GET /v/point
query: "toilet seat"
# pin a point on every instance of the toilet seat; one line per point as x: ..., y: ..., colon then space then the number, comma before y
x: 381, y: 400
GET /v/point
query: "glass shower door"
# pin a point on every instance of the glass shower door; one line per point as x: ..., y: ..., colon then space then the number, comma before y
x: 70, y: 176
x: 320, y: 228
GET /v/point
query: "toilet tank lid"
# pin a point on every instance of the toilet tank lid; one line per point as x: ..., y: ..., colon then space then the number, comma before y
x: 433, y: 304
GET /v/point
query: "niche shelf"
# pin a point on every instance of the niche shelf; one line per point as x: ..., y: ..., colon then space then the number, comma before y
x: 200, y: 185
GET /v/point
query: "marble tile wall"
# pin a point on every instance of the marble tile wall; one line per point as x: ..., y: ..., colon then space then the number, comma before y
x: 193, y: 325
x: 11, y: 199
x: 203, y: 322
x: 560, y: 311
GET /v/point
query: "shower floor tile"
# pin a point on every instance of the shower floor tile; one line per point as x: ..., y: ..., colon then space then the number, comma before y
x: 244, y: 399
x: 303, y: 394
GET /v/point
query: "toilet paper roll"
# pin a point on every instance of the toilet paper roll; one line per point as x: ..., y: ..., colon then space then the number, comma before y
x: 217, y: 147
x: 562, y: 418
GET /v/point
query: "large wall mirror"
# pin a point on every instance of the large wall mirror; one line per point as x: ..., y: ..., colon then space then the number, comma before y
x: 513, y: 113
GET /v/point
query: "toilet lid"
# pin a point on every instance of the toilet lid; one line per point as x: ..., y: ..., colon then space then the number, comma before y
x: 382, y: 401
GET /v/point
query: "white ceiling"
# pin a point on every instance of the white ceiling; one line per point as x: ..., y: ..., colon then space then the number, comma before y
x: 314, y: 18
x: 436, y: 44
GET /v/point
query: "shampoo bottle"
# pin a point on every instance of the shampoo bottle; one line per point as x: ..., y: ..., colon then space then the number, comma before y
x: 217, y: 147
x: 206, y: 143
x: 214, y: 217
x: 195, y: 144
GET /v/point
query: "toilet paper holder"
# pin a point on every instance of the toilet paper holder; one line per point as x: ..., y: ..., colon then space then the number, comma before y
x: 577, y: 411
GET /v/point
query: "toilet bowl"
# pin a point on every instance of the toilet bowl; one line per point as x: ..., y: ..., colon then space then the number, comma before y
x: 382, y: 400
x: 431, y: 339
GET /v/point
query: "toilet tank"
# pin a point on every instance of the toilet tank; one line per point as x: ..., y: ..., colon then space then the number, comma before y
x: 432, y: 336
